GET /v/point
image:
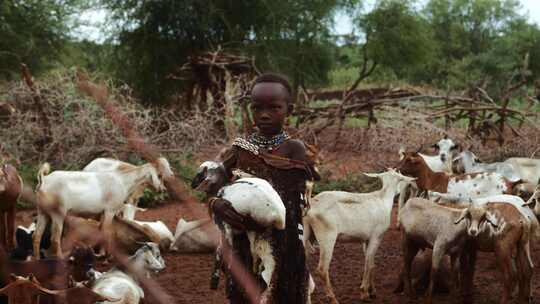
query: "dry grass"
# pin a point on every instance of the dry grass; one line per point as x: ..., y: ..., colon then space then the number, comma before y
x: 81, y: 132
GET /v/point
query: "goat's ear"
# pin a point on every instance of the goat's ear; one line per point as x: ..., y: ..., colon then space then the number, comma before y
x: 491, y: 219
x: 141, y: 209
x: 371, y: 174
x: 401, y: 152
x: 456, y: 147
x: 71, y: 282
x: 462, y: 216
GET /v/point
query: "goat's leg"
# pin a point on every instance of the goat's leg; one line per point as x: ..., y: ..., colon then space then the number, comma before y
x: 524, y: 273
x: 504, y: 259
x: 454, y: 264
x: 56, y: 234
x: 327, y: 240
x: 438, y: 254
x: 3, y: 229
x: 11, y: 228
x: 367, y: 289
x: 106, y: 230
x: 409, y: 252
x: 41, y: 224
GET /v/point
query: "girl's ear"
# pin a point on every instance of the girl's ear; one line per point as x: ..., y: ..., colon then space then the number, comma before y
x: 290, y: 108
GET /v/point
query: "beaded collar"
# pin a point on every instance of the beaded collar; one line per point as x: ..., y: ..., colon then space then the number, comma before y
x: 268, y: 143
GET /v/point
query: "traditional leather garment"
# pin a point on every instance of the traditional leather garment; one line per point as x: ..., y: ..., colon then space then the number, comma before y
x: 288, y: 178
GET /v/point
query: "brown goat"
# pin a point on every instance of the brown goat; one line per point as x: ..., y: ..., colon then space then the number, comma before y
x: 457, y: 187
x: 11, y: 186
x: 511, y: 238
x: 126, y: 235
x: 52, y: 271
x: 23, y: 290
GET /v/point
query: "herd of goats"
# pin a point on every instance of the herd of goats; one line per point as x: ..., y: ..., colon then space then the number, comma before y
x: 456, y: 206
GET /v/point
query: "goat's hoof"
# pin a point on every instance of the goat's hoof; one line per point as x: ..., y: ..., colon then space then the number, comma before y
x: 366, y: 296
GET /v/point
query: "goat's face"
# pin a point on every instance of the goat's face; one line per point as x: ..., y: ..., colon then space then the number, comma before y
x: 150, y: 256
x: 210, y: 178
x: 157, y: 181
x: 411, y: 164
x: 445, y: 147
x: 534, y: 201
x: 476, y: 217
x: 391, y: 177
x: 82, y: 259
x: 164, y: 168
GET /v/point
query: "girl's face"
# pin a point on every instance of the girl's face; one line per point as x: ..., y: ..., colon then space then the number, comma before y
x: 269, y: 107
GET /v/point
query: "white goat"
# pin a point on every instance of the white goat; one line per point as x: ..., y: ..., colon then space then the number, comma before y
x: 365, y: 216
x: 118, y: 284
x: 528, y: 170
x: 85, y: 193
x: 255, y: 197
x: 109, y: 164
x: 470, y: 164
x: 195, y: 236
x: 128, y: 213
x: 445, y: 230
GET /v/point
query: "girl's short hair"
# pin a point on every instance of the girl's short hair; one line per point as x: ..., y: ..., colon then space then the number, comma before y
x: 275, y: 78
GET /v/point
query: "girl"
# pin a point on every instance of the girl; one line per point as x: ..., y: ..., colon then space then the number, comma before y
x: 271, y: 154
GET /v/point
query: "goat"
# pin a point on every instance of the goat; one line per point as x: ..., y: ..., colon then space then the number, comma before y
x: 195, y: 236
x: 165, y: 235
x: 442, y: 162
x: 119, y: 284
x: 528, y: 170
x: 445, y: 230
x: 126, y: 235
x: 108, y: 164
x: 509, y: 237
x: 80, y: 293
x: 55, y: 273
x: 88, y: 193
x: 11, y: 185
x: 467, y: 161
x: 462, y: 186
x: 24, y: 290
x: 129, y: 211
x: 365, y: 216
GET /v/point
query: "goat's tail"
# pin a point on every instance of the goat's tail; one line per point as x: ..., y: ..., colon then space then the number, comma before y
x: 43, y: 170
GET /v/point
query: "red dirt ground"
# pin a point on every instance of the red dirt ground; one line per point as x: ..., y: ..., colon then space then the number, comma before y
x: 186, y: 277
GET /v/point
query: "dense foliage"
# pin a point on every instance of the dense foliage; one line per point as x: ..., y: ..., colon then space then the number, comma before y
x: 444, y: 43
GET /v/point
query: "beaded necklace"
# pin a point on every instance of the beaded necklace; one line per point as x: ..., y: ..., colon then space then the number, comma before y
x: 268, y: 143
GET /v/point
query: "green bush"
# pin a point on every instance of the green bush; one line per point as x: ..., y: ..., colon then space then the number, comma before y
x: 351, y: 183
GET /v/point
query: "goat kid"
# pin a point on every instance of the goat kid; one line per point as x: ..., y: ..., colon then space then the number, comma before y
x: 364, y: 216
